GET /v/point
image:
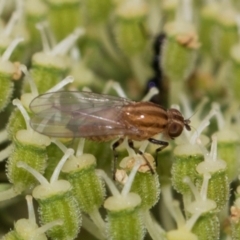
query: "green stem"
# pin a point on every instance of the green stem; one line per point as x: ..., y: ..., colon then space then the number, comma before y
x: 6, y: 152
x: 154, y: 230
x: 8, y: 194
x: 91, y: 228
x: 98, y: 221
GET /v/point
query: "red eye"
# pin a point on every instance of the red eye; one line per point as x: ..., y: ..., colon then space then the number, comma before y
x: 174, y: 130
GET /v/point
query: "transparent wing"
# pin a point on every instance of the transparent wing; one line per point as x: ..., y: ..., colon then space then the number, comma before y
x: 78, y: 114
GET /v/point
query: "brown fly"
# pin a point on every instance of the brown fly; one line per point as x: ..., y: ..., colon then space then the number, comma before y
x: 100, y: 117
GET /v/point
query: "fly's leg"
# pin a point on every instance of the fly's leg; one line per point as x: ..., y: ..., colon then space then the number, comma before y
x: 137, y: 151
x: 115, y: 156
x: 162, y: 144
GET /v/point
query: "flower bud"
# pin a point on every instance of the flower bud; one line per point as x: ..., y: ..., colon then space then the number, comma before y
x: 186, y: 159
x: 179, y: 48
x: 228, y: 146
x: 217, y: 169
x: 96, y: 12
x: 207, y: 227
x: 36, y: 11
x: 47, y: 70
x: 26, y: 229
x: 64, y: 16
x: 203, y: 222
x: 123, y: 217
x: 56, y: 201
x: 208, y: 15
x: 87, y: 188
x: 129, y: 30
x: 188, y: 155
x: 49, y: 66
x: 226, y: 32
x: 29, y: 147
x: 145, y: 184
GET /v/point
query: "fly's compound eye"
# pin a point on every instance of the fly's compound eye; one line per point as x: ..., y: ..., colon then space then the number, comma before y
x: 174, y: 130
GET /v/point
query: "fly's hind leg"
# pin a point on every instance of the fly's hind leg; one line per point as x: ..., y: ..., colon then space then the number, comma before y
x: 162, y: 144
x: 137, y: 151
x: 115, y: 156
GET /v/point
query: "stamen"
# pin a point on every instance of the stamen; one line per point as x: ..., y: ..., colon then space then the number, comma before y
x: 116, y: 86
x: 25, y: 115
x: 8, y: 52
x: 63, y: 83
x: 32, y: 84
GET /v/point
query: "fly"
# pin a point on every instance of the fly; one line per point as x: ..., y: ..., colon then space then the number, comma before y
x: 100, y: 117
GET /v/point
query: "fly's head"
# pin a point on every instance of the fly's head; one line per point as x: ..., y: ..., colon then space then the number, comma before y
x: 176, y: 123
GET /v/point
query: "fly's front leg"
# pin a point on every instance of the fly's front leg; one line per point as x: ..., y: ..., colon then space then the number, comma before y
x: 137, y: 151
x: 158, y: 142
x: 115, y: 156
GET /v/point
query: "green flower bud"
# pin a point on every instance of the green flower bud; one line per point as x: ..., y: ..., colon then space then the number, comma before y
x: 129, y: 30
x: 36, y: 11
x: 218, y: 185
x: 179, y: 51
x: 29, y: 147
x: 186, y: 159
x: 145, y: 184
x: 16, y: 121
x: 201, y: 205
x: 228, y: 143
x: 49, y: 67
x: 123, y: 217
x: 226, y: 32
x: 96, y: 12
x: 208, y: 21
x: 64, y: 16
x: 27, y: 229
x: 218, y: 188
x: 87, y: 188
x: 56, y: 201
x: 207, y: 227
x: 47, y: 70
x: 204, y: 223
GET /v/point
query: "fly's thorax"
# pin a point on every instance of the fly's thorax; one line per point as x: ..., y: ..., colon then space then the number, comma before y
x: 146, y: 118
x: 175, y: 123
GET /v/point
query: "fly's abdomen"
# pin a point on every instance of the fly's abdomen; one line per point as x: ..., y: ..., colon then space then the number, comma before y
x: 149, y: 118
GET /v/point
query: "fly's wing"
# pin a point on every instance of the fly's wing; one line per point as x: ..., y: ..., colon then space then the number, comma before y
x: 78, y: 114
